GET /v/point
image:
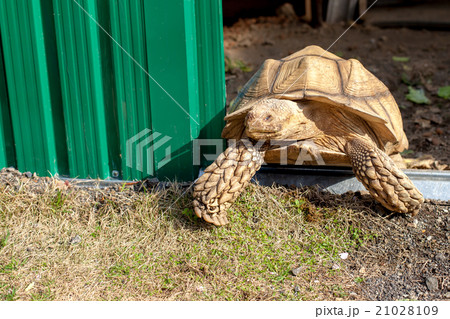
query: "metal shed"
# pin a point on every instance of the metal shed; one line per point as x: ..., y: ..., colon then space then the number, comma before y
x: 109, y: 88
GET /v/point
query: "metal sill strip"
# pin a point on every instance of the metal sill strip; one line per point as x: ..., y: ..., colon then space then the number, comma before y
x: 432, y: 183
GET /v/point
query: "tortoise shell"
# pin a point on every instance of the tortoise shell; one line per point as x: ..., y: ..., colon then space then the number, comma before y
x: 318, y: 75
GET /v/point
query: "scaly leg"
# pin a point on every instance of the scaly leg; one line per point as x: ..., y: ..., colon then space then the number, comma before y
x: 223, y: 181
x: 382, y: 178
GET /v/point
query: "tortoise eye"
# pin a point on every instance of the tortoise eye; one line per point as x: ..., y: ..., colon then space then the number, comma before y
x: 268, y: 118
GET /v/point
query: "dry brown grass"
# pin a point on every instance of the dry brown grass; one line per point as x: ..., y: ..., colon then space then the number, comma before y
x: 150, y: 246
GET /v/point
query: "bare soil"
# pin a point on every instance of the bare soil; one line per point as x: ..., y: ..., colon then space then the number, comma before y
x: 426, y: 125
x: 410, y: 258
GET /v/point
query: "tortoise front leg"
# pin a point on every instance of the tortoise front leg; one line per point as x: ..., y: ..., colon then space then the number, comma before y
x: 382, y: 178
x: 223, y: 181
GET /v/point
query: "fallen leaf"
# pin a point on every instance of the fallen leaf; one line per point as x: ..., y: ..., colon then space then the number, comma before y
x: 406, y: 79
x: 444, y: 92
x: 426, y: 161
x: 423, y: 123
x: 417, y: 96
x: 436, y: 141
x: 434, y: 109
x: 400, y: 58
x: 406, y: 152
x: 423, y: 162
x: 435, y: 118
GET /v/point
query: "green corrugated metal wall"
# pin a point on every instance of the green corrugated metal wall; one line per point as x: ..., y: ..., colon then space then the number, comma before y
x: 101, y: 88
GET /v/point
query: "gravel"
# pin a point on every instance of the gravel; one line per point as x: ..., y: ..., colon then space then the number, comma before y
x: 296, y: 271
x: 432, y: 284
x: 75, y: 240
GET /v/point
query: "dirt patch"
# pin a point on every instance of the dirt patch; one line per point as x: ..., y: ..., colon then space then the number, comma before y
x: 410, y: 258
x: 400, y: 58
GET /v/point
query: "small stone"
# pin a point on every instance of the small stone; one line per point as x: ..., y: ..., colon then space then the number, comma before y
x: 28, y: 174
x: 297, y: 289
x: 296, y: 271
x: 447, y: 295
x: 60, y: 184
x: 75, y: 240
x: 335, y: 267
x: 343, y: 255
x: 200, y: 289
x: 432, y: 283
x: 362, y: 270
x: 440, y: 257
x: 429, y: 238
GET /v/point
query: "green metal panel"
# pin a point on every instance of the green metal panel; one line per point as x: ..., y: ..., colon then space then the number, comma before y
x: 211, y: 69
x: 80, y: 64
x: 6, y: 140
x: 28, y: 81
x: 131, y: 82
x: 112, y: 86
x: 171, y: 47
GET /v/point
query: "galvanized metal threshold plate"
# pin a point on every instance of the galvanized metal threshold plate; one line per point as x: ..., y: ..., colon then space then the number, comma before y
x: 432, y: 183
x: 338, y: 180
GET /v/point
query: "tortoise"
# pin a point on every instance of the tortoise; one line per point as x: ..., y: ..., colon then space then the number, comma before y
x: 311, y: 107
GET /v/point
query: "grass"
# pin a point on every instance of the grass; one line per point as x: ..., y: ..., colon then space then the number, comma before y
x: 151, y: 246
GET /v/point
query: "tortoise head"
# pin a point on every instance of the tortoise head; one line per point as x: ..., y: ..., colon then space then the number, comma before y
x: 273, y: 119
